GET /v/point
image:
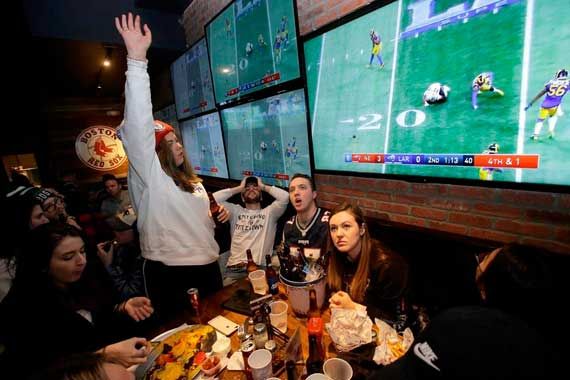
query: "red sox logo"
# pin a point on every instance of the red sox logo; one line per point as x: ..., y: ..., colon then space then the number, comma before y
x: 99, y: 148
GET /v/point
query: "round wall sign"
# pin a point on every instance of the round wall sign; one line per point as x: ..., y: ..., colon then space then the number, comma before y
x: 99, y: 148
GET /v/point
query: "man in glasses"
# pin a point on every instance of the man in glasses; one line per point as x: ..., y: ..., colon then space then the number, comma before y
x: 251, y: 227
x: 53, y: 205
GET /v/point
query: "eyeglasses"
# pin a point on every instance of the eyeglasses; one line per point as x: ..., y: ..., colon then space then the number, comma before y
x: 51, y: 206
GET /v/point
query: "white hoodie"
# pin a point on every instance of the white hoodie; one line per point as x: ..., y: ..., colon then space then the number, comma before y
x: 175, y: 227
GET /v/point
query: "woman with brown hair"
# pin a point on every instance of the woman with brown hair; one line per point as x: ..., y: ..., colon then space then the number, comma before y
x: 176, y: 229
x: 361, y: 272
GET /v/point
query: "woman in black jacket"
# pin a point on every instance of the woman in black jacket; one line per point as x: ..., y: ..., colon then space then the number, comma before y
x: 58, y: 305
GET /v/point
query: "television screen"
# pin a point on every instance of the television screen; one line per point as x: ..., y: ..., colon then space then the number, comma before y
x: 192, y: 82
x: 268, y: 138
x: 252, y: 45
x: 204, y: 145
x: 168, y: 115
x: 437, y: 88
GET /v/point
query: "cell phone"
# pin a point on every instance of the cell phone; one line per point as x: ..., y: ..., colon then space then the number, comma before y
x: 108, y: 245
x: 223, y: 325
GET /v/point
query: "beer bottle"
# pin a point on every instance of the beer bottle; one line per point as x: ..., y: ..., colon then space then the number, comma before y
x: 315, y: 360
x: 272, y: 279
x: 314, y: 311
x: 291, y: 370
x: 284, y: 260
x: 401, y: 316
x: 214, y: 208
x: 251, y: 265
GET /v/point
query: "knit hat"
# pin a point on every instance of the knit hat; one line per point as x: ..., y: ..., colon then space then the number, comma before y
x: 32, y: 195
x: 475, y: 343
x: 161, y: 129
x: 17, y: 206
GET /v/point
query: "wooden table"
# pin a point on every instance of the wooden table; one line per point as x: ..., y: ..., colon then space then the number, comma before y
x: 211, y: 306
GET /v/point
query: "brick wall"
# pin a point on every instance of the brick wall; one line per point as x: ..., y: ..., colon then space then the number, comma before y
x: 499, y: 215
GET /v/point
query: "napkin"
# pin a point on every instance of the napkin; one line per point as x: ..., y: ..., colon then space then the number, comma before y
x: 390, y: 344
x: 236, y: 362
x: 349, y: 328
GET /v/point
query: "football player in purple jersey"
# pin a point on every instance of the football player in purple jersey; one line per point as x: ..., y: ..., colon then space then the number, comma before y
x: 551, y: 106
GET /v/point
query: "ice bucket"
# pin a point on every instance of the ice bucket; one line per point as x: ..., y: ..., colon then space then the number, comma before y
x: 298, y: 293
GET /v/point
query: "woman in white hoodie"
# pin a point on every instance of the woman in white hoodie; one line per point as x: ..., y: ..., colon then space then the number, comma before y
x: 176, y: 228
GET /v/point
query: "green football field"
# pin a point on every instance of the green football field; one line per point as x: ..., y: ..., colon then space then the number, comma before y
x: 232, y: 66
x: 360, y: 109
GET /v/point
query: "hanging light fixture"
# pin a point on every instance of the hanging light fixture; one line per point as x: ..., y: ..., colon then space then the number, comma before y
x: 108, y: 53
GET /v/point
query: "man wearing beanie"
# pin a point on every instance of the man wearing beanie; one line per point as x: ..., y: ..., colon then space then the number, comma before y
x: 251, y: 227
x: 175, y: 226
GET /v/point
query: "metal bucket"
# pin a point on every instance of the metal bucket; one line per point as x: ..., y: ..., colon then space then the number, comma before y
x: 298, y: 294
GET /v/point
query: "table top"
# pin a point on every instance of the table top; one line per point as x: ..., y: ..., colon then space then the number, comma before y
x: 211, y: 306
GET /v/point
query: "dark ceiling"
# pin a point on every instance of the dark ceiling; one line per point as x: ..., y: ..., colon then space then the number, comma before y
x: 55, y: 52
x: 75, y: 40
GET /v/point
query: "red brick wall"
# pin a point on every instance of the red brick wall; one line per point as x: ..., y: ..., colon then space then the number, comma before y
x: 500, y: 215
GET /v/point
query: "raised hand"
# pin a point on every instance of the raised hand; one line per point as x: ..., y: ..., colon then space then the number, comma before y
x: 138, y: 308
x: 136, y: 42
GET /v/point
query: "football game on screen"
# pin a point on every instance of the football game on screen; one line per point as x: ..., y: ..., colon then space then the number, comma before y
x: 252, y: 45
x: 192, y: 82
x: 268, y: 138
x: 445, y: 88
x: 204, y: 145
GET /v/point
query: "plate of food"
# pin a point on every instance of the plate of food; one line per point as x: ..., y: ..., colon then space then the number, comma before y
x: 178, y: 354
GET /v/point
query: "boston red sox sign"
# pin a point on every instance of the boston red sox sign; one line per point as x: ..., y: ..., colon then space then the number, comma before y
x: 99, y: 148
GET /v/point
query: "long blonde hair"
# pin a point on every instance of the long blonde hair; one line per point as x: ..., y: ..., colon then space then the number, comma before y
x: 335, y: 271
x: 183, y: 175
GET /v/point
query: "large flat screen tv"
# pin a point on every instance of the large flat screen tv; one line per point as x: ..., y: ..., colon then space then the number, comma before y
x: 204, y: 145
x: 192, y: 82
x: 252, y: 45
x: 268, y: 138
x: 486, y: 60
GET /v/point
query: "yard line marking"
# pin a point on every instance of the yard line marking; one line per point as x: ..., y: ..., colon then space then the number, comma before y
x: 392, y: 80
x: 270, y: 38
x: 524, y: 82
x: 321, y: 68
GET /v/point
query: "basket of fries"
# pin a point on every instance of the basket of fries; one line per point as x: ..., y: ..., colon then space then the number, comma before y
x: 391, y: 345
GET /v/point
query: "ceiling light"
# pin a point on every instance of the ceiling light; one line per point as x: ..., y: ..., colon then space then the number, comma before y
x: 106, y: 62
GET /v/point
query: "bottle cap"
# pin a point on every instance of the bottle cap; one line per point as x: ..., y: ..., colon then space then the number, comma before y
x: 270, y: 345
x: 315, y: 326
x: 259, y: 327
x: 247, y: 346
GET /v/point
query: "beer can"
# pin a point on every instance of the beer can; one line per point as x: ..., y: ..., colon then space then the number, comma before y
x: 193, y: 296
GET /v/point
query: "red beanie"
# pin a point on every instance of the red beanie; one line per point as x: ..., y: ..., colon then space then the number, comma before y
x: 161, y: 129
